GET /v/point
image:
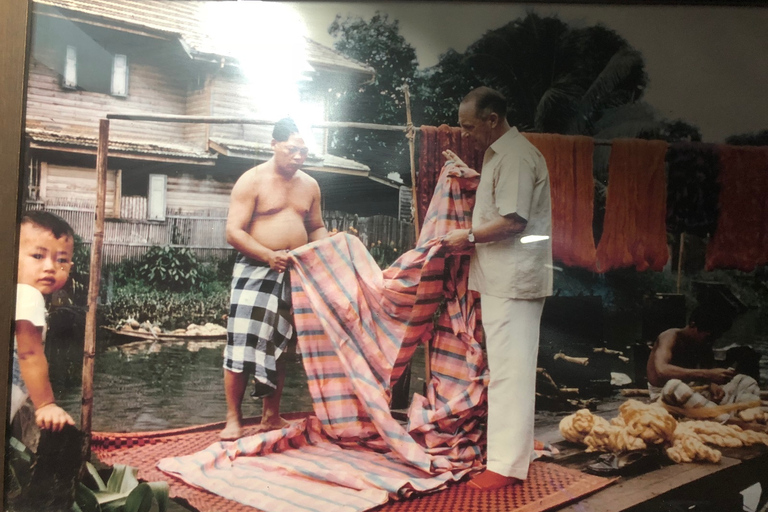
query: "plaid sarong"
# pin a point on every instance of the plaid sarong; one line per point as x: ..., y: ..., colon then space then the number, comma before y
x: 260, y: 323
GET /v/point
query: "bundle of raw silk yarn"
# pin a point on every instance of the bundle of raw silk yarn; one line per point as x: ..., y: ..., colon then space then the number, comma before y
x: 640, y: 425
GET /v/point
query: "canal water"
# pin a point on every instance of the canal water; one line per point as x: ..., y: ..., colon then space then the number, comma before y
x: 145, y: 386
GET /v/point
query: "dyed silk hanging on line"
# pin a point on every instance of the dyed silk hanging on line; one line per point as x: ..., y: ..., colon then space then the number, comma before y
x: 634, y: 231
x: 741, y: 238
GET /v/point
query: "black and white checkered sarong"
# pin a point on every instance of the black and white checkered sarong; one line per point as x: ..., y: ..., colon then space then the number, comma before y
x: 260, y: 323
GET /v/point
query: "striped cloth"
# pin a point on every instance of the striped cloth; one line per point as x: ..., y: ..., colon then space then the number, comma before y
x: 358, y: 326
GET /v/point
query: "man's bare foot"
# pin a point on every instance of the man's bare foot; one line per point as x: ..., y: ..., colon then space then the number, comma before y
x: 232, y: 432
x: 272, y: 424
x: 489, y: 481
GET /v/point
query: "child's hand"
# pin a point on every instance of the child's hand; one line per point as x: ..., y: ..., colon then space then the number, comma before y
x: 52, y: 417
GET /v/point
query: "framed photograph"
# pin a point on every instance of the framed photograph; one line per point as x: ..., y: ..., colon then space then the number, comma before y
x: 14, y: 17
x: 193, y: 92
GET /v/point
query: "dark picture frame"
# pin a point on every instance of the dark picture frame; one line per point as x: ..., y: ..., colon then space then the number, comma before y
x: 15, y: 16
x: 14, y: 27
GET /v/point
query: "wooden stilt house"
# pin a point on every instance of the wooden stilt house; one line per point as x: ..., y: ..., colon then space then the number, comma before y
x: 168, y: 183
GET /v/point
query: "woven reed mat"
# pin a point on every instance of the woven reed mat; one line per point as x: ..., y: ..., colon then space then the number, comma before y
x: 548, y: 485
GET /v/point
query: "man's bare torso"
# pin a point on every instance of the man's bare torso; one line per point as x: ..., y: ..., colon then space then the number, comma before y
x: 281, y: 207
x: 685, y: 355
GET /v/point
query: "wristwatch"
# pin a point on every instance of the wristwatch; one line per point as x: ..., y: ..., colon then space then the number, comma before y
x: 471, y: 237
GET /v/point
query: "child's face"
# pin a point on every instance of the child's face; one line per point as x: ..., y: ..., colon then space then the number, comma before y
x: 44, y: 260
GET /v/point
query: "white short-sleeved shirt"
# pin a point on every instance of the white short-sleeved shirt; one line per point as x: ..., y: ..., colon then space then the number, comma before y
x: 514, y: 179
x: 30, y: 306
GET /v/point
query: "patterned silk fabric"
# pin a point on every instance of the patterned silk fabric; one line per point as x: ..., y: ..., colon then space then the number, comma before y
x: 358, y: 326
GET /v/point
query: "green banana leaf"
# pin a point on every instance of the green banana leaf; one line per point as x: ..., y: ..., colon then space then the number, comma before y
x: 19, y: 467
x: 122, y: 493
x: 85, y: 499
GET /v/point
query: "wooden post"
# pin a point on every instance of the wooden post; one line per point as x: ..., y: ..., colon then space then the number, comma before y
x: 680, y: 262
x: 411, y: 134
x: 89, y: 346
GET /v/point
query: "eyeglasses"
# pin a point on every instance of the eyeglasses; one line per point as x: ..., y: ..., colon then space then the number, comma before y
x: 294, y: 149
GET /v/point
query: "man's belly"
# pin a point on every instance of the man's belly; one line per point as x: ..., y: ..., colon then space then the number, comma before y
x: 279, y: 233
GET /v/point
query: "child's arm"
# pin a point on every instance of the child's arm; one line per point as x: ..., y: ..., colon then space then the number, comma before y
x: 34, y: 372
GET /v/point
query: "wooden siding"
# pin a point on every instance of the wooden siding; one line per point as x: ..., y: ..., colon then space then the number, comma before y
x: 187, y: 194
x: 198, y: 104
x: 151, y: 89
x: 75, y: 186
x: 231, y: 96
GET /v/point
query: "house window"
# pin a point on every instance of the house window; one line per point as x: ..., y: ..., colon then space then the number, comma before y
x: 156, y: 197
x: 120, y: 75
x: 69, y: 79
x: 100, y: 71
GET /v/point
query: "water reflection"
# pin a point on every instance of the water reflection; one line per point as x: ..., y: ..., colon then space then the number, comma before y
x: 159, y: 386
x: 154, y: 386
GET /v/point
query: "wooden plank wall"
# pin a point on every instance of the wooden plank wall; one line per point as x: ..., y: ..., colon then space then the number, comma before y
x: 187, y: 194
x: 151, y: 89
x: 231, y: 96
x: 75, y: 186
x: 198, y: 104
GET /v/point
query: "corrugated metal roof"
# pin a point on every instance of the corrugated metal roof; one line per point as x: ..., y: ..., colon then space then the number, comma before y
x: 185, y: 19
x: 245, y: 149
x: 46, y: 137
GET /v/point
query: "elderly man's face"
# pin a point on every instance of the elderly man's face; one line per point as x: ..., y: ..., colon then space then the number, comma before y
x: 477, y: 129
x: 290, y: 155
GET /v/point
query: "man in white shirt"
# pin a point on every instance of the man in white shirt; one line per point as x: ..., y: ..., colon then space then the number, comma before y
x: 511, y: 267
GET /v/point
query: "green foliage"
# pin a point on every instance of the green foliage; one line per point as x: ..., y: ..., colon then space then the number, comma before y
x: 384, y: 254
x: 557, y: 79
x: 674, y: 131
x: 121, y: 493
x: 170, y: 268
x: 174, y: 269
x: 377, y: 43
x: 80, y: 273
x: 749, y: 139
x: 170, y: 310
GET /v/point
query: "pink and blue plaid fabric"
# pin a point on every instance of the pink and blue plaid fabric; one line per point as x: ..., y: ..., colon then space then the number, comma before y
x: 358, y: 327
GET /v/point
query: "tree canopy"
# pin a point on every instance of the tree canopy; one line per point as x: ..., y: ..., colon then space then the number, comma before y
x: 749, y: 139
x: 557, y: 79
x: 379, y: 44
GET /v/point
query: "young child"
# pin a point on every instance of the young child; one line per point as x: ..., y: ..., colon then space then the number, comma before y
x: 46, y: 244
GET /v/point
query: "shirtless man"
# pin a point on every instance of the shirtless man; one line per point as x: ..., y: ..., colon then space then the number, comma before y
x: 683, y: 357
x: 274, y: 208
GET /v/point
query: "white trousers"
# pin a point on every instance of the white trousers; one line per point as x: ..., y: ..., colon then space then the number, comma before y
x: 512, y: 342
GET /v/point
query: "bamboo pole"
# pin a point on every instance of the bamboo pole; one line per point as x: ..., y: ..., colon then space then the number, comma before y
x: 89, y: 346
x: 411, y: 135
x: 166, y: 118
x: 680, y: 262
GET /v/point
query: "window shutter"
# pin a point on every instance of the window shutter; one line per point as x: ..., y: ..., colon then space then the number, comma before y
x: 156, y: 197
x: 70, y: 68
x: 120, y: 75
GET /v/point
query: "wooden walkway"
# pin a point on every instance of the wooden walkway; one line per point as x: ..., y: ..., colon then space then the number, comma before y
x: 689, y: 482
